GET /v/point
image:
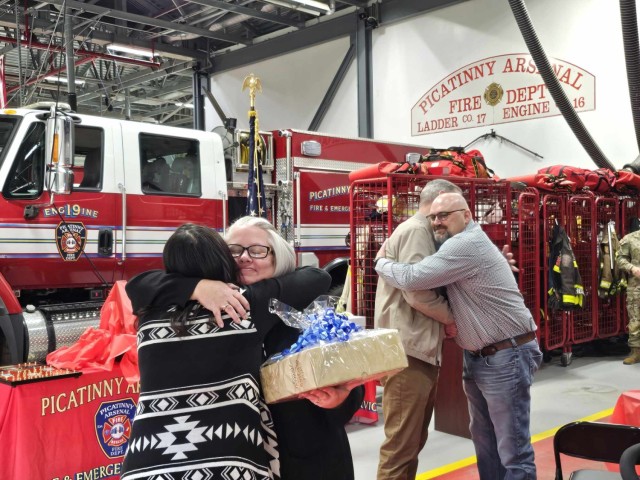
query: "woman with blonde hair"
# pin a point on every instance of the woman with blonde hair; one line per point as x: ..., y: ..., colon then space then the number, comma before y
x: 199, y: 381
x: 312, y: 441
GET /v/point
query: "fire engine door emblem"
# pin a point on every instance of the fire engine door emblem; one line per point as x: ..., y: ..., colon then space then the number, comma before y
x: 113, y: 426
x: 71, y: 238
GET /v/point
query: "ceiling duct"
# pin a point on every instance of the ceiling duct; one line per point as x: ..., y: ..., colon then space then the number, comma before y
x: 217, y: 25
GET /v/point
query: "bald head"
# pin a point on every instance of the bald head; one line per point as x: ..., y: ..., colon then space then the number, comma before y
x: 445, y: 202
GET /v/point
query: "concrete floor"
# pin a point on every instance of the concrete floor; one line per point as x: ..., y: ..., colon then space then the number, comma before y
x: 589, y: 386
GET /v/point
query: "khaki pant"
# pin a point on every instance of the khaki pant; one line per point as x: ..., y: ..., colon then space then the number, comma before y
x: 407, y: 405
x: 633, y: 309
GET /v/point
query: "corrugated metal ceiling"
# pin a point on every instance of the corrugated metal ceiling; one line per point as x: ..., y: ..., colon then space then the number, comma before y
x: 182, y: 35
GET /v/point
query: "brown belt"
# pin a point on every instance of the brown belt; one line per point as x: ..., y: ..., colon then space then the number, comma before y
x: 507, y: 343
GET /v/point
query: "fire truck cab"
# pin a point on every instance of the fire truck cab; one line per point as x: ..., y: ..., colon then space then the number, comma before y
x: 87, y: 201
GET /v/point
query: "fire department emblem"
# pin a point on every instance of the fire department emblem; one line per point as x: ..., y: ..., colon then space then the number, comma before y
x: 113, y: 426
x: 493, y: 94
x: 71, y: 238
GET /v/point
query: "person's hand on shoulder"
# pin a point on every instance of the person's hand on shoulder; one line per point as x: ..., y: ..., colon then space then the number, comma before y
x: 221, y: 297
x: 509, y: 256
x: 381, y: 253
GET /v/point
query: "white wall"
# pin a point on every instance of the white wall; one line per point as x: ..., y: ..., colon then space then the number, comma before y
x: 293, y: 87
x: 411, y: 56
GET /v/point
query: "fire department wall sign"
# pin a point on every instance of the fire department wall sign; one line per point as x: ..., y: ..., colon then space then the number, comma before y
x: 70, y: 240
x: 502, y: 89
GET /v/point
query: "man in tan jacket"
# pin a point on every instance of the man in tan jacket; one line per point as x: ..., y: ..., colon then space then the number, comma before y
x: 420, y: 316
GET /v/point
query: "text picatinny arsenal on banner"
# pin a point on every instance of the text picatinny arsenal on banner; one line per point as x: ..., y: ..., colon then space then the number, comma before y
x: 501, y: 89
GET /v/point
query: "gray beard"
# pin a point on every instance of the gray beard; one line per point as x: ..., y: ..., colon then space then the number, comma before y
x: 441, y: 238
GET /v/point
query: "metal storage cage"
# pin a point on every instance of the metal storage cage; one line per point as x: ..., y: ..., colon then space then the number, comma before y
x: 523, y: 219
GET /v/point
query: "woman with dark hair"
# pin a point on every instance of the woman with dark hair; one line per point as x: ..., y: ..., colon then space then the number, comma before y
x: 312, y: 440
x: 200, y: 413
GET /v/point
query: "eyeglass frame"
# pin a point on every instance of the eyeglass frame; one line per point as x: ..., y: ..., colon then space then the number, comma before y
x: 442, y: 216
x: 246, y: 249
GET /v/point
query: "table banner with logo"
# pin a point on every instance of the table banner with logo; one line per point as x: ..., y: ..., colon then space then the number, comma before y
x: 75, y: 428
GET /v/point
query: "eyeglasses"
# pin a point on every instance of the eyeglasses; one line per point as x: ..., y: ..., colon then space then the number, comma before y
x: 254, y: 251
x: 443, y: 215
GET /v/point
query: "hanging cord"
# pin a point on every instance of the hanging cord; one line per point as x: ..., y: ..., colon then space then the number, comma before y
x: 493, y: 134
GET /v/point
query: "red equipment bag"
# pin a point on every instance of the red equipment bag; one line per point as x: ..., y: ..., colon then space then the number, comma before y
x: 561, y: 177
x: 380, y: 170
x: 457, y: 162
x: 626, y: 180
x: 565, y: 176
x: 600, y: 180
x: 528, y: 180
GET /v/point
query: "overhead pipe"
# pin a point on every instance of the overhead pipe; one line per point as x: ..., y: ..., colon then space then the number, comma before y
x: 96, y: 55
x: 199, y: 77
x: 17, y: 42
x: 553, y: 85
x: 631, y: 45
x: 71, y: 67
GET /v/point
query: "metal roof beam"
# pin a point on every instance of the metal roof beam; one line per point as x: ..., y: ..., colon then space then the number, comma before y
x: 44, y: 27
x: 132, y: 80
x: 154, y: 22
x: 395, y: 10
x: 355, y: 3
x: 322, y: 32
x: 390, y: 12
x: 250, y: 12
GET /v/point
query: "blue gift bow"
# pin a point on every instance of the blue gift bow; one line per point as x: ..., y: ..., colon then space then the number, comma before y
x: 326, y: 326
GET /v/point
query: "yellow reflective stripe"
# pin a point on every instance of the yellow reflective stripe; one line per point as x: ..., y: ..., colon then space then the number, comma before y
x: 556, y: 268
x: 605, y: 284
x: 572, y: 299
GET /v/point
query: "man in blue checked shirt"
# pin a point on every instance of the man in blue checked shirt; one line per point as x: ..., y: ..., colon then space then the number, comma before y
x: 495, y: 329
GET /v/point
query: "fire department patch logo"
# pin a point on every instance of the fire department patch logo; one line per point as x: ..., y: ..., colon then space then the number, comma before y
x: 71, y: 238
x: 493, y: 94
x: 113, y: 426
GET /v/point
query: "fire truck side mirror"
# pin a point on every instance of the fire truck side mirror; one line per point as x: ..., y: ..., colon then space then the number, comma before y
x: 59, y: 148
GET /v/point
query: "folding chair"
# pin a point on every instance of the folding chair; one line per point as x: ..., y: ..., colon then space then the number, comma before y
x: 630, y: 458
x: 600, y: 442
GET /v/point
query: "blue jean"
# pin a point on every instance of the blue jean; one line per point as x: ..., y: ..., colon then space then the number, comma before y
x: 497, y: 389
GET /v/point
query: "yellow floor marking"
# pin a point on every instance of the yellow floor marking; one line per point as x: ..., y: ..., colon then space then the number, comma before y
x: 465, y: 462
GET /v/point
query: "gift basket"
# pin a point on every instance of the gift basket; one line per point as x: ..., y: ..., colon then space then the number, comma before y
x: 331, y: 350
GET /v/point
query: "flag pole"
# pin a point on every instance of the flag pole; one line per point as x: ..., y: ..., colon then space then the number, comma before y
x: 256, y: 201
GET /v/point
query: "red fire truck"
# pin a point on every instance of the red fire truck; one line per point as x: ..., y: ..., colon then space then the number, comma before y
x: 88, y: 200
